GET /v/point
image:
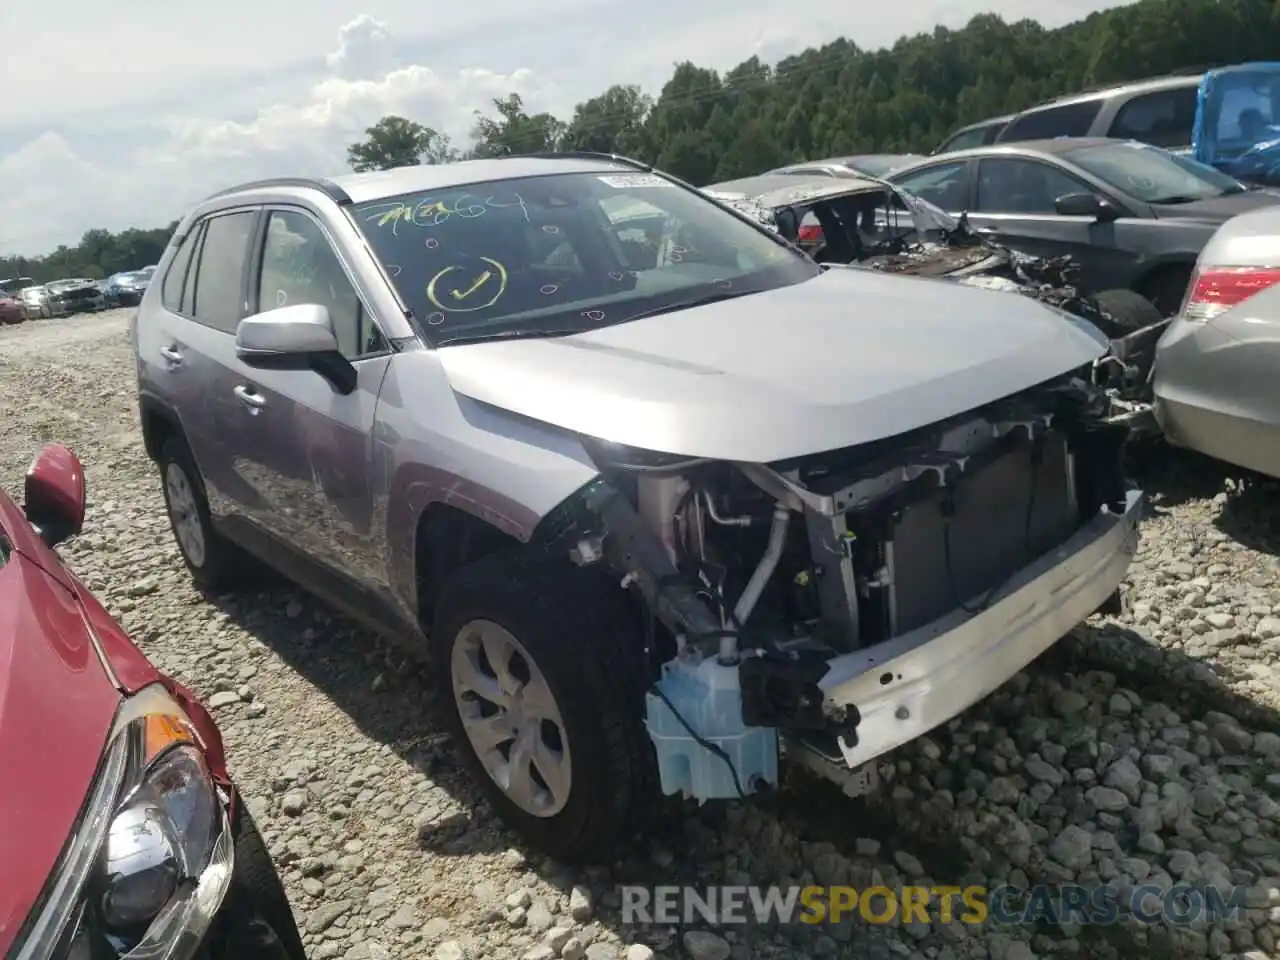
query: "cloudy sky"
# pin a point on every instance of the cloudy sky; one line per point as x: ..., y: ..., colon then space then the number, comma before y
x: 124, y: 118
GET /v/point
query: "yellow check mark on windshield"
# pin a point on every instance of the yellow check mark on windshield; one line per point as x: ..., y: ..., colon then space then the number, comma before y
x: 480, y: 281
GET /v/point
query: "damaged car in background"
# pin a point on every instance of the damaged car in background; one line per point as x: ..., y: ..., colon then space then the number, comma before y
x: 79, y: 295
x: 880, y: 226
x: 1237, y: 122
x: 663, y: 501
x: 876, y: 225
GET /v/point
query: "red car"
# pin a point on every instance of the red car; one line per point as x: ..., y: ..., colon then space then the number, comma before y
x: 122, y: 834
x: 12, y: 310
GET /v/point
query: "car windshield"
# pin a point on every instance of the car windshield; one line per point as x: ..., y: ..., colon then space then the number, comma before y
x: 1152, y: 175
x: 1243, y: 110
x: 566, y: 252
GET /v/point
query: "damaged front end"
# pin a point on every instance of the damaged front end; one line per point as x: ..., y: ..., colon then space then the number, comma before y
x: 833, y: 607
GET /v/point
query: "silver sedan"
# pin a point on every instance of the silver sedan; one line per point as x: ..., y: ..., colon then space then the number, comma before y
x: 1215, y: 375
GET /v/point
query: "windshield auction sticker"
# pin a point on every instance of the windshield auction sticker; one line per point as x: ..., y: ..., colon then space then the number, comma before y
x: 635, y: 180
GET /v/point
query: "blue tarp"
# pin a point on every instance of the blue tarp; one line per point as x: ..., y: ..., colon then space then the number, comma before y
x: 1237, y: 124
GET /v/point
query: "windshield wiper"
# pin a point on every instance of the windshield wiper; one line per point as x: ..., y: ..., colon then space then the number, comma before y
x: 688, y: 304
x: 481, y: 336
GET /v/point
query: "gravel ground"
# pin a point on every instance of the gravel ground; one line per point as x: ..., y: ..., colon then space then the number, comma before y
x: 1141, y: 750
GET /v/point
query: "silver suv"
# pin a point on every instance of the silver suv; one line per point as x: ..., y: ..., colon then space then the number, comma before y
x: 660, y: 498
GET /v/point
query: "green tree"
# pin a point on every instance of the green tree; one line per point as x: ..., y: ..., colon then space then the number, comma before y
x: 613, y: 122
x: 100, y: 253
x: 397, y: 142
x: 704, y: 125
x: 514, y: 130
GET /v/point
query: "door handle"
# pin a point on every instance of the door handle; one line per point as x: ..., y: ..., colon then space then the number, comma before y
x: 247, y: 396
x: 172, y: 354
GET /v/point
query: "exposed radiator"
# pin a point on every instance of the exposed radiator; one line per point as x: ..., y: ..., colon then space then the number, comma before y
x: 988, y: 532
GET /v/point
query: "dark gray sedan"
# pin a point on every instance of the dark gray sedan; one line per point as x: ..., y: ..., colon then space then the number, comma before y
x: 1134, y: 216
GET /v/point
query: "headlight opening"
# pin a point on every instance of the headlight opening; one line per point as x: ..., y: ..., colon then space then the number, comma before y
x: 150, y: 861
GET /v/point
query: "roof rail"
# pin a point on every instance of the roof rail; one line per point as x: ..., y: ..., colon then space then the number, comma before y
x: 327, y: 187
x: 578, y: 155
x: 1121, y: 84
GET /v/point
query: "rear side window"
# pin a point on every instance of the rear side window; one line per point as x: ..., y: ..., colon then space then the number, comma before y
x: 1068, y: 120
x: 966, y: 139
x: 176, y: 278
x: 944, y: 185
x: 1161, y: 119
x: 218, y: 296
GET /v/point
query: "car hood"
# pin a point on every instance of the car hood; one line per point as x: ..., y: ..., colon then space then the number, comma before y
x: 848, y: 357
x: 57, y: 704
x: 1217, y: 209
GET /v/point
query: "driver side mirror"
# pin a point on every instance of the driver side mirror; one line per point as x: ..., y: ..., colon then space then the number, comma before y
x: 1086, y: 205
x: 298, y: 337
x: 54, y: 495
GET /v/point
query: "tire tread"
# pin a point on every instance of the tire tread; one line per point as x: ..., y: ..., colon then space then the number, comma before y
x: 600, y: 638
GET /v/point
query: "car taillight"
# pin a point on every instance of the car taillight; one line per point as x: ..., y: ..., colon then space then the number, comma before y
x: 1214, y: 290
x: 810, y: 233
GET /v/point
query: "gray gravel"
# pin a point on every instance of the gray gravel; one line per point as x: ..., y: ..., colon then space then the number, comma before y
x: 1143, y: 750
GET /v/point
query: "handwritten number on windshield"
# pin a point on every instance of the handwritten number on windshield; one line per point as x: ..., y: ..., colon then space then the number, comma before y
x: 430, y: 212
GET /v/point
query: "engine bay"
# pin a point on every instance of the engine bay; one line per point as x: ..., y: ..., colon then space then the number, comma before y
x: 755, y: 576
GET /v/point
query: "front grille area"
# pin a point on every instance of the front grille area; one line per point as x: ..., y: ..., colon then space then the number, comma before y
x: 938, y: 564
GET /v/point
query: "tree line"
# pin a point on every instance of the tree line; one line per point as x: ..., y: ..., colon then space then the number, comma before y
x: 705, y: 126
x: 99, y: 254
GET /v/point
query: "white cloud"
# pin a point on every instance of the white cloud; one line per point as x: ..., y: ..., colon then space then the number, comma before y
x: 364, y: 50
x: 105, y: 147
x: 52, y: 193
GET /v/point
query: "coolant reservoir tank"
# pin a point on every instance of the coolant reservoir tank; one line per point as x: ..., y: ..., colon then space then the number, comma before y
x: 707, y: 696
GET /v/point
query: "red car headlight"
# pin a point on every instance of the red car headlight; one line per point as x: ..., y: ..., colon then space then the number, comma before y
x: 151, y: 858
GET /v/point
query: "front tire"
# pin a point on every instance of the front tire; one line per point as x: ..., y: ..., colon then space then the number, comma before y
x: 256, y: 918
x: 542, y: 678
x: 214, y: 563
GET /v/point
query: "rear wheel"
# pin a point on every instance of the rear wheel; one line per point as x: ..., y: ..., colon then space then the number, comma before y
x: 1128, y: 311
x: 543, y: 677
x: 214, y: 563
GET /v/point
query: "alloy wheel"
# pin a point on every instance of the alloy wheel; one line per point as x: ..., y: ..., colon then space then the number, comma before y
x: 511, y: 718
x: 184, y: 515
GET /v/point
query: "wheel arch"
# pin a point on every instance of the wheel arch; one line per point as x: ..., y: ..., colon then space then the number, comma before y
x: 160, y: 422
x: 446, y: 538
x: 1150, y: 281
